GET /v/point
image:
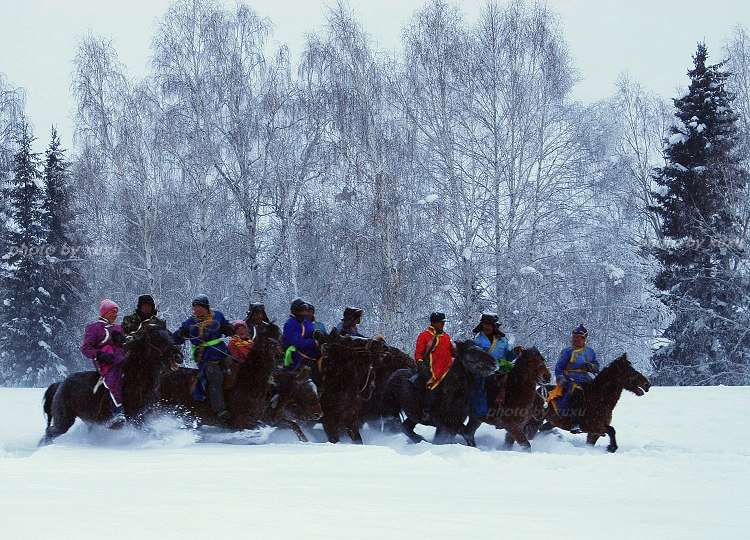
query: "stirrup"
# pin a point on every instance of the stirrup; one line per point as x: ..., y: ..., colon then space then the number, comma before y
x: 117, y: 421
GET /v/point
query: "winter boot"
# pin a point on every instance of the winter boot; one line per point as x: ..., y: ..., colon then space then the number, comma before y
x: 118, y: 415
x: 224, y: 416
x: 430, y: 397
x: 575, y: 424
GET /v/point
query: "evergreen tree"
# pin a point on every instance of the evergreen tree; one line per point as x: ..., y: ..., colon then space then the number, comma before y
x: 63, y: 278
x: 26, y: 325
x: 696, y: 201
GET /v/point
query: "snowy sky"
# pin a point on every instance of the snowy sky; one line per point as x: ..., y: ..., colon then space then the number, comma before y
x: 652, y: 40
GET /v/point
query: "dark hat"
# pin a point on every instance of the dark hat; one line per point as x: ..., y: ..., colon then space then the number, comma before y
x: 255, y: 306
x: 581, y: 331
x: 352, y: 312
x: 201, y: 300
x: 146, y: 299
x: 437, y: 317
x: 299, y: 305
x: 491, y: 318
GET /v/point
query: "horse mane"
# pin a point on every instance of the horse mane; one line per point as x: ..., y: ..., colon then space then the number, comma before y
x: 610, y: 373
x: 521, y: 371
x: 270, y: 330
x: 253, y: 373
x: 474, y: 358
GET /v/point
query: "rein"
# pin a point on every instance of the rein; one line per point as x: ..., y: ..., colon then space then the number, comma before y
x: 367, y: 383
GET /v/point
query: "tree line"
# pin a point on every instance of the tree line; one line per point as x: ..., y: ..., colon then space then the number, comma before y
x: 457, y: 175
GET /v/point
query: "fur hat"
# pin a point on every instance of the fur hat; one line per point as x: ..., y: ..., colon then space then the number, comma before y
x: 201, y: 300
x: 106, y: 306
x: 298, y: 306
x: 491, y: 318
x: 581, y: 331
x: 239, y: 322
x: 352, y: 312
x: 255, y: 306
x: 146, y: 299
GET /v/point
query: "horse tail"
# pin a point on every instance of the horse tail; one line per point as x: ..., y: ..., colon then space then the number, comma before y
x: 49, y: 395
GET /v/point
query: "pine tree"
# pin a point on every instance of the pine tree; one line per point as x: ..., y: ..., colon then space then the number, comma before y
x: 695, y: 200
x: 63, y: 278
x: 26, y: 326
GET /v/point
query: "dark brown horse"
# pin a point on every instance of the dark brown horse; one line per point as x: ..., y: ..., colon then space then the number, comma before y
x: 520, y: 398
x: 405, y: 393
x: 292, y: 397
x: 347, y: 371
x: 151, y: 351
x: 246, y: 386
x: 598, y: 399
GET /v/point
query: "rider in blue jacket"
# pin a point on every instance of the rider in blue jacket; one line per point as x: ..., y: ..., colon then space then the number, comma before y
x: 301, y: 347
x: 573, y: 367
x: 204, y: 330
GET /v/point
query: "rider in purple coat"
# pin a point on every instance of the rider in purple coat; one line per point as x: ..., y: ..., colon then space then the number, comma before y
x: 102, y: 342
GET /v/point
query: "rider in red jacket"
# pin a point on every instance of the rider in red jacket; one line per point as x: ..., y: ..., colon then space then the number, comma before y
x: 434, y: 355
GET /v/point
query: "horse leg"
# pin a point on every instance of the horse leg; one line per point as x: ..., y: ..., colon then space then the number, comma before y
x: 291, y: 424
x: 530, y: 430
x: 591, y: 438
x: 354, y: 435
x: 446, y: 434
x: 61, y: 422
x: 515, y: 431
x: 469, y: 430
x: 332, y: 431
x: 407, y: 426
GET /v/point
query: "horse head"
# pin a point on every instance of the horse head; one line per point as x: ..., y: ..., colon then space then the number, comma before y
x: 154, y: 343
x: 300, y: 394
x: 630, y: 378
x: 270, y: 331
x: 475, y: 359
x: 305, y: 396
x: 532, y: 361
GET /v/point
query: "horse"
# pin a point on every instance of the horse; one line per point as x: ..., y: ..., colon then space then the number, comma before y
x: 81, y: 396
x: 246, y: 387
x: 347, y: 371
x: 374, y: 406
x: 405, y: 393
x: 598, y: 399
x: 292, y: 396
x: 520, y: 400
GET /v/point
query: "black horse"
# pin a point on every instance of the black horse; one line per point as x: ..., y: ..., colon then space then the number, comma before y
x: 405, y: 393
x: 375, y: 408
x: 80, y: 395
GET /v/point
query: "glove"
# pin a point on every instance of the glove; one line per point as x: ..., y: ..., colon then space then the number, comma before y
x: 105, y: 357
x: 591, y: 367
x: 118, y: 338
x: 184, y: 332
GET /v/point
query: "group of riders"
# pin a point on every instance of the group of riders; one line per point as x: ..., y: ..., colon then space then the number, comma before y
x: 105, y: 341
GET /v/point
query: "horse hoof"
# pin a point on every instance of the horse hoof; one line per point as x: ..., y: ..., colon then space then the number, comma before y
x: 612, y: 448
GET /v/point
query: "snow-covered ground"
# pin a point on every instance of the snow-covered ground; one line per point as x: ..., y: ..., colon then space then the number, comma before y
x: 682, y: 471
